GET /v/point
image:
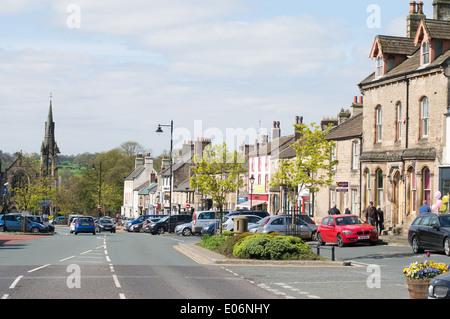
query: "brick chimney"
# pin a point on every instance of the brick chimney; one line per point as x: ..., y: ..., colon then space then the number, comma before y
x: 298, y: 120
x: 276, y: 131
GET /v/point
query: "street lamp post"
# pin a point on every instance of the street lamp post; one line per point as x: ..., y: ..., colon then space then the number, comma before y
x: 99, y: 207
x: 5, y: 204
x: 252, y: 181
x: 159, y: 131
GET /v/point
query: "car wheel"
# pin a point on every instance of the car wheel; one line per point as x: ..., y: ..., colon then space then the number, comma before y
x: 340, y: 240
x: 320, y: 241
x: 35, y: 230
x: 447, y: 246
x: 93, y: 233
x: 76, y: 233
x: 161, y: 230
x: 415, y: 246
x: 186, y: 232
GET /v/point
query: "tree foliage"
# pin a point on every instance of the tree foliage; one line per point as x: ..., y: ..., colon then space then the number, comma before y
x: 312, y: 165
x: 218, y: 172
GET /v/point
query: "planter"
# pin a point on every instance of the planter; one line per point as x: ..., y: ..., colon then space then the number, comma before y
x: 418, y: 288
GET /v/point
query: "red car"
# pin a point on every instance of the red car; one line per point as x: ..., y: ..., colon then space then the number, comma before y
x: 345, y: 229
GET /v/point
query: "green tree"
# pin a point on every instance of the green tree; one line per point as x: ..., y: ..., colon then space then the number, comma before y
x: 312, y: 165
x: 217, y: 173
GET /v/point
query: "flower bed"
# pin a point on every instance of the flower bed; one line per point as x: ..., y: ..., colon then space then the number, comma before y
x: 260, y: 246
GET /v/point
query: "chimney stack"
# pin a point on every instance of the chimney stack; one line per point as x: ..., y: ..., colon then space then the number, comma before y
x: 298, y: 120
x: 414, y: 17
x: 276, y: 131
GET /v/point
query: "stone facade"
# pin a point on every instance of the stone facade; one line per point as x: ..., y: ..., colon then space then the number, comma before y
x: 405, y: 113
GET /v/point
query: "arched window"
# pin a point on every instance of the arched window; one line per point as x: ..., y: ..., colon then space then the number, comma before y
x: 379, y: 186
x: 398, y: 122
x: 424, y: 118
x: 426, y: 178
x: 378, y: 124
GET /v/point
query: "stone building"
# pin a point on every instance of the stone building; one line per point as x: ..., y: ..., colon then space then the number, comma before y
x: 345, y: 190
x: 404, y: 156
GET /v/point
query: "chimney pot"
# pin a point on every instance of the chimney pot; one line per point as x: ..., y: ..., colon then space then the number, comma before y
x: 355, y: 99
x: 420, y: 7
x: 360, y: 100
x: 412, y: 6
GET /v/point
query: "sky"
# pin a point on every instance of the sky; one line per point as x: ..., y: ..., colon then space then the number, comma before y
x: 220, y: 69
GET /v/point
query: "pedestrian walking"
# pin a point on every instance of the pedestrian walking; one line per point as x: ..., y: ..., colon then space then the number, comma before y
x: 371, y: 214
x: 380, y: 222
x: 347, y: 211
x: 334, y: 211
x: 424, y: 208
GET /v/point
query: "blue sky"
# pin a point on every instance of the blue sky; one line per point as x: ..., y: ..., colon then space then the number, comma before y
x: 210, y: 66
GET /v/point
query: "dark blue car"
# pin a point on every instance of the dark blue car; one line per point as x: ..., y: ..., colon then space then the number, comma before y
x: 15, y: 222
x: 84, y: 224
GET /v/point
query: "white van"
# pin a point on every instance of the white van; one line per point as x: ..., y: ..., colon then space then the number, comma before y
x: 203, y: 218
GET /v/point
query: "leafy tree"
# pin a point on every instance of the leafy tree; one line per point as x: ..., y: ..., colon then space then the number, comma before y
x: 217, y: 173
x: 312, y: 165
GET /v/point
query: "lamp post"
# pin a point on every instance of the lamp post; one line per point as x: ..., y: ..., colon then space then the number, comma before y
x: 5, y: 204
x: 160, y: 131
x: 99, y: 207
x: 252, y: 181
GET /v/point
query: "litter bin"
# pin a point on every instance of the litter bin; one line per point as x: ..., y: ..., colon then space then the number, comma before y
x: 240, y: 225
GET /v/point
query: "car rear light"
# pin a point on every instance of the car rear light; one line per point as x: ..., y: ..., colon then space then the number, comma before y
x: 268, y: 219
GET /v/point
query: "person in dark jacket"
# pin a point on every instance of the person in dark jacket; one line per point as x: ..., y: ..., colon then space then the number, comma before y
x: 334, y: 211
x: 380, y: 222
x: 371, y: 214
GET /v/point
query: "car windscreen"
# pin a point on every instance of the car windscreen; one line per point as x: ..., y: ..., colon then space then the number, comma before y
x: 84, y: 220
x: 348, y: 220
x: 105, y: 221
x: 445, y: 220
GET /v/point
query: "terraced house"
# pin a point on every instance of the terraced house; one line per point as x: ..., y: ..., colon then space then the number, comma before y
x: 405, y: 156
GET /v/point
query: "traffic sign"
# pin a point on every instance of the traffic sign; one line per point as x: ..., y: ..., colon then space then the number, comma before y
x: 5, y: 191
x: 99, y: 207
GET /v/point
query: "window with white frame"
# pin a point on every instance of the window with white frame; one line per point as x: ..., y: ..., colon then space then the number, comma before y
x: 424, y: 118
x: 355, y: 154
x: 379, y: 124
x: 380, y: 66
x: 425, y: 53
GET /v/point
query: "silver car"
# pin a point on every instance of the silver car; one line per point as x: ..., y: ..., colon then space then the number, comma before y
x: 184, y: 229
x: 282, y: 224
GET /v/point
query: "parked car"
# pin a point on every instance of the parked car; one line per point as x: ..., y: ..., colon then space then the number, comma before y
x: 430, y: 231
x: 48, y: 227
x: 439, y: 287
x: 106, y: 224
x: 345, y: 229
x: 146, y: 224
x: 138, y: 220
x: 169, y: 223
x: 252, y: 221
x: 14, y: 222
x: 184, y: 229
x: 282, y: 224
x: 260, y: 213
x: 203, y: 218
x: 211, y: 228
x: 84, y: 224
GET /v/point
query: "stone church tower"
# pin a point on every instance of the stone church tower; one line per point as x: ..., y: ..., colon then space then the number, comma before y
x: 50, y: 150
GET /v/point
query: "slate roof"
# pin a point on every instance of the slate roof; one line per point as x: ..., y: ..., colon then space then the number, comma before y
x: 351, y: 128
x: 436, y: 29
x: 396, y: 45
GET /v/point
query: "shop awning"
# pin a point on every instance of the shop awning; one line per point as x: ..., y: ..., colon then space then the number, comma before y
x: 253, y: 203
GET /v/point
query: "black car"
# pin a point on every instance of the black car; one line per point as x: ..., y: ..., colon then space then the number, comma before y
x: 439, y: 287
x: 106, y: 224
x: 161, y: 226
x: 430, y: 231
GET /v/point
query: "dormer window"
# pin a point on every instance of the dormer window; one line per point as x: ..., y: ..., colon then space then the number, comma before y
x: 379, y: 66
x: 425, y: 53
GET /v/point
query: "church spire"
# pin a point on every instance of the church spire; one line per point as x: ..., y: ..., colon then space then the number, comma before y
x: 49, y: 148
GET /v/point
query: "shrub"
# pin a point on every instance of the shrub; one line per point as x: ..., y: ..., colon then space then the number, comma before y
x: 212, y: 242
x: 274, y: 247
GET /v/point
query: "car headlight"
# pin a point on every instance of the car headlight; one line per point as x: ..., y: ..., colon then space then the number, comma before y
x: 437, y: 291
x: 374, y: 231
x: 347, y: 232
